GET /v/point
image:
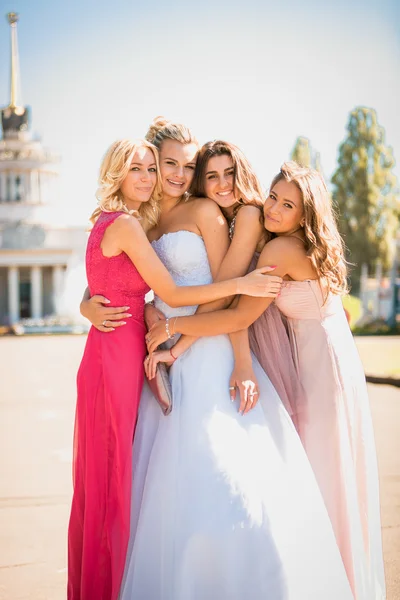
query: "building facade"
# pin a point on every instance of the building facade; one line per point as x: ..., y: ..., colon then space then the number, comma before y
x: 35, y: 252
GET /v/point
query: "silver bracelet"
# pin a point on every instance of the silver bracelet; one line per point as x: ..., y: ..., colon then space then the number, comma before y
x: 167, y: 329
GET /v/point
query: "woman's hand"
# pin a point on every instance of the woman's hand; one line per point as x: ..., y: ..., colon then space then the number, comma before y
x: 152, y: 315
x: 151, y: 361
x: 244, y: 380
x: 104, y: 318
x: 156, y: 336
x: 258, y: 284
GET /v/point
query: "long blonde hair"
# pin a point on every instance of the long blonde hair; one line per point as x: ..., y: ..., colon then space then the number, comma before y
x: 247, y: 185
x: 113, y: 170
x: 323, y: 242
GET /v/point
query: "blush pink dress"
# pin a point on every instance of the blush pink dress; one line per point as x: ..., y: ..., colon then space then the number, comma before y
x: 334, y: 423
x: 269, y: 341
x: 110, y: 380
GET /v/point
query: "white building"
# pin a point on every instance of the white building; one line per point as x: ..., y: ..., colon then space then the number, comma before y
x: 35, y: 252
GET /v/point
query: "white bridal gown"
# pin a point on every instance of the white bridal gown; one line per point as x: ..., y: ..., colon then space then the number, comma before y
x: 224, y: 506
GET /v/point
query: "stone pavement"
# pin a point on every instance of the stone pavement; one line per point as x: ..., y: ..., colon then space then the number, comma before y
x: 37, y: 397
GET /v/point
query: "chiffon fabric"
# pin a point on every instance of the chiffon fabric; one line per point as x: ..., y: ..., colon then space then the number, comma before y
x: 110, y: 381
x: 334, y: 423
x: 224, y: 506
x: 269, y: 341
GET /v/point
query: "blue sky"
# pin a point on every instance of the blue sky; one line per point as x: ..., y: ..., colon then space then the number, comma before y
x: 253, y: 72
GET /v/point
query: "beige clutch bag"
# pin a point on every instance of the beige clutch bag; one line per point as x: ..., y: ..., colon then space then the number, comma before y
x: 161, y: 388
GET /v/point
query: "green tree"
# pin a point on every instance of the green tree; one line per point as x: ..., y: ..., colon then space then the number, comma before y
x: 364, y: 191
x: 301, y: 152
x: 304, y: 155
x: 317, y: 162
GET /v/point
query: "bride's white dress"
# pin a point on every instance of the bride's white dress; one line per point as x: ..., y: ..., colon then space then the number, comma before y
x: 224, y: 506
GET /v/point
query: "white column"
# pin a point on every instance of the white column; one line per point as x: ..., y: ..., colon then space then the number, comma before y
x: 8, y: 187
x: 27, y: 187
x: 36, y: 292
x: 2, y: 187
x: 58, y: 283
x: 34, y: 188
x: 13, y: 294
x: 13, y: 190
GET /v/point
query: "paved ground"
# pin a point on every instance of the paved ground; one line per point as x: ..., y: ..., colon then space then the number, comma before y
x: 37, y: 395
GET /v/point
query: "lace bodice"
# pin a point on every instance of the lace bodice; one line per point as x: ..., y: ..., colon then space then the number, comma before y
x: 115, y: 277
x: 185, y: 256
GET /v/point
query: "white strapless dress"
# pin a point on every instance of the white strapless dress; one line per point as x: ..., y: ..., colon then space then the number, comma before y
x: 224, y: 506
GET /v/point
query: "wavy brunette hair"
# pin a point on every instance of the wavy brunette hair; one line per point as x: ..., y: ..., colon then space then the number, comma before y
x: 323, y: 242
x: 248, y: 189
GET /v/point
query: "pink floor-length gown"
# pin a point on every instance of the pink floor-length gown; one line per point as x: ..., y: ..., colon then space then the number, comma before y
x: 333, y: 420
x: 110, y: 380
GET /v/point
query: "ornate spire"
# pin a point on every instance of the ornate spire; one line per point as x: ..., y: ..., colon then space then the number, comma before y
x: 15, y: 117
x: 15, y: 91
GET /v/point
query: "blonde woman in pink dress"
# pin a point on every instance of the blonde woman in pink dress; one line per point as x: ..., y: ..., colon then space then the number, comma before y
x: 333, y: 418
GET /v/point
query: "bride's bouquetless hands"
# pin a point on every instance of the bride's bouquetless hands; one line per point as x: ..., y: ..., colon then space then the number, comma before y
x: 151, y: 361
x: 152, y: 315
x: 156, y: 336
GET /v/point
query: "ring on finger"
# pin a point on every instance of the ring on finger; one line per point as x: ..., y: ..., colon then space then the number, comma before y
x: 232, y: 387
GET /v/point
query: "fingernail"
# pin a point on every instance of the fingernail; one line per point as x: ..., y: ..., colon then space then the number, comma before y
x: 128, y: 315
x: 126, y: 307
x: 112, y: 328
x: 273, y: 266
x: 123, y: 322
x: 107, y: 301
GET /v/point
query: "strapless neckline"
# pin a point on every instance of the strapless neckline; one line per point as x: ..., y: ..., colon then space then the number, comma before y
x: 293, y: 281
x: 174, y: 233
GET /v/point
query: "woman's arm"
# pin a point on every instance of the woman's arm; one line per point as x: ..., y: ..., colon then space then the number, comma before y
x: 234, y: 259
x: 128, y: 234
x: 290, y: 257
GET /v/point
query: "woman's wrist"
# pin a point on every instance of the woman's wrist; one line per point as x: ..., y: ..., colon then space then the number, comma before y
x: 243, y: 361
x: 239, y: 286
x: 171, y: 327
x: 82, y: 308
